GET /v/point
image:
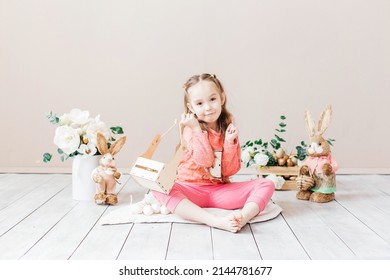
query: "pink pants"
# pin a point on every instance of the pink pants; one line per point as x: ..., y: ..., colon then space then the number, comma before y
x: 226, y: 196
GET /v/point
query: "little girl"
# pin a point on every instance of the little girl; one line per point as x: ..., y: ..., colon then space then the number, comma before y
x: 209, y: 131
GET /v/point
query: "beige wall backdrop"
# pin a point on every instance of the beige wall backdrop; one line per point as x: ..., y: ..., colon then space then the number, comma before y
x: 127, y: 60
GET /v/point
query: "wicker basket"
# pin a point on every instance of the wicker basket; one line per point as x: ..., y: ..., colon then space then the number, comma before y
x: 292, y: 172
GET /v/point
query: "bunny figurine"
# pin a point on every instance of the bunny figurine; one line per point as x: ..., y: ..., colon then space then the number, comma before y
x: 106, y: 175
x: 317, y: 180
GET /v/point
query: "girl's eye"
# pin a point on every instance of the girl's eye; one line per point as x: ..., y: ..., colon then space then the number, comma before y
x: 213, y: 99
x: 199, y: 103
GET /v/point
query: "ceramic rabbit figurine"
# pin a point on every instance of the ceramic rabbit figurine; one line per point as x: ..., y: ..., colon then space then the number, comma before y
x: 106, y: 175
x: 317, y: 180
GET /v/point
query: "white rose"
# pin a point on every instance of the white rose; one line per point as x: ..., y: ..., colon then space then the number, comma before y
x: 93, y: 128
x: 246, y: 154
x: 65, y: 120
x: 261, y: 159
x: 79, y: 117
x: 67, y: 139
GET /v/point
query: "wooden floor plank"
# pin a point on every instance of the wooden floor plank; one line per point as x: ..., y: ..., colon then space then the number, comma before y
x: 42, y: 221
x: 358, y: 237
x: 235, y: 246
x: 16, y: 242
x: 102, y: 243
x: 146, y: 242
x: 60, y: 242
x: 16, y: 186
x: 370, y: 191
x: 190, y: 242
x: 106, y: 242
x: 276, y: 241
x: 318, y: 240
x: 367, y: 206
x: 20, y: 209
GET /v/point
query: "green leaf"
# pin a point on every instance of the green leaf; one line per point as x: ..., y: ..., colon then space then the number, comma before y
x: 282, y: 117
x: 53, y: 118
x: 275, y: 145
x: 116, y: 130
x: 330, y: 142
x: 301, y: 153
x: 279, y: 138
x: 280, y: 130
x: 46, y: 157
x: 60, y: 151
x: 258, y: 142
x: 303, y: 143
x: 282, y: 124
x: 271, y: 160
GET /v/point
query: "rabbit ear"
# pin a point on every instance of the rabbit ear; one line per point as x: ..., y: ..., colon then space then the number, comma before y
x: 117, y: 145
x: 310, y: 126
x: 325, y: 119
x: 102, y: 143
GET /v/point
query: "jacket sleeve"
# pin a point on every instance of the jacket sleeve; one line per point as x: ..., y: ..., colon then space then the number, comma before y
x: 334, y: 164
x: 231, y: 158
x: 199, y: 147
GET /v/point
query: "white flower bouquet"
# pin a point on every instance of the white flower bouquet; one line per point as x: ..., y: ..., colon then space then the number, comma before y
x: 257, y: 152
x: 76, y: 134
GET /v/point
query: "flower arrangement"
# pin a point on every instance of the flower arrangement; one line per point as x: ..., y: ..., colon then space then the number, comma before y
x: 76, y: 134
x: 257, y: 152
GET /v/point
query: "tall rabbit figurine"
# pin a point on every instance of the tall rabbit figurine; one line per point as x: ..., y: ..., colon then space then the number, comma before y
x: 106, y: 175
x: 317, y: 180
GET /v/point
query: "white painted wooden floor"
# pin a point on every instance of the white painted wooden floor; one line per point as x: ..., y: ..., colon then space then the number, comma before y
x: 39, y: 220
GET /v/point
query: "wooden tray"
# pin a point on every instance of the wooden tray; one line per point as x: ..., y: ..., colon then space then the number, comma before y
x: 281, y: 171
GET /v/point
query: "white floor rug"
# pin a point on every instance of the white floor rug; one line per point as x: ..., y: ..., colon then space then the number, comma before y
x: 122, y: 216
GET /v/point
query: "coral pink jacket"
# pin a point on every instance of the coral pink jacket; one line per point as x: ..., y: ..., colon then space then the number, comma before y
x: 316, y: 163
x: 199, y: 157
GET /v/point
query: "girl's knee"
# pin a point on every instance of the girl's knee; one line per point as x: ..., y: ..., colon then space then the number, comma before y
x: 265, y: 186
x: 270, y: 184
x: 265, y: 183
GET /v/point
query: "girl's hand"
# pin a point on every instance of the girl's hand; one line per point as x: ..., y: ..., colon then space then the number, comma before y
x: 231, y: 134
x: 190, y: 121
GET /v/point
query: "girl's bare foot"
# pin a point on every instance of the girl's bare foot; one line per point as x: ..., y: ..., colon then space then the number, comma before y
x: 229, y: 223
x: 240, y: 219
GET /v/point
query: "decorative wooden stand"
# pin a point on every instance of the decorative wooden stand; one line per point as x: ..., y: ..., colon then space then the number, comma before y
x: 290, y: 184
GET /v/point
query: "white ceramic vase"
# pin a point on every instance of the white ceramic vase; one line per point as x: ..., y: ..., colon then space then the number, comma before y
x: 83, y: 187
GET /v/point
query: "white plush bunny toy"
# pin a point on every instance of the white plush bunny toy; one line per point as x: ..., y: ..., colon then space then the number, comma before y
x: 106, y: 175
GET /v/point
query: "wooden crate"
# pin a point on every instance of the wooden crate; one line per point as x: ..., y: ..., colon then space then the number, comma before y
x: 281, y: 171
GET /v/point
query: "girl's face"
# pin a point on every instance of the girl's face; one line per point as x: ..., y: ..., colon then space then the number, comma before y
x: 205, y: 101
